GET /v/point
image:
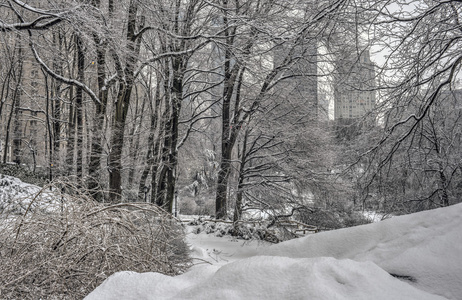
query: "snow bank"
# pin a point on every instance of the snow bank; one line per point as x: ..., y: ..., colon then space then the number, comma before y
x: 425, y: 246
x: 423, y: 249
x: 265, y: 278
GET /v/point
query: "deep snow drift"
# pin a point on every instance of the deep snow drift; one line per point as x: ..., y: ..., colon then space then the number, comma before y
x: 426, y: 246
x: 423, y: 250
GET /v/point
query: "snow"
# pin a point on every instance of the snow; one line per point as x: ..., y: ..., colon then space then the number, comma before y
x: 423, y: 249
x: 265, y: 278
x: 210, y: 249
x: 15, y: 195
x: 426, y: 246
x: 374, y: 216
x: 13, y: 187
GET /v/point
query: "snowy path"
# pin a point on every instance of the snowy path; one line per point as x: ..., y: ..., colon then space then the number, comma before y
x: 209, y: 249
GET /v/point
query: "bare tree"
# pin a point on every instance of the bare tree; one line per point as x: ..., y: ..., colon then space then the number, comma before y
x: 244, y: 42
x: 419, y: 42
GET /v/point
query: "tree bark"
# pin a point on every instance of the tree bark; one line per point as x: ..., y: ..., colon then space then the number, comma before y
x: 96, y: 148
x: 151, y: 155
x: 134, y: 144
x: 177, y: 92
x: 17, y: 132
x: 14, y: 75
x: 121, y: 107
x: 240, y: 187
x: 230, y: 130
x: 79, y: 105
x: 70, y: 135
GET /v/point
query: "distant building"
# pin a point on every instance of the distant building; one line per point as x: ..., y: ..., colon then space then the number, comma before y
x: 301, y: 73
x: 23, y: 122
x: 323, y: 107
x: 354, y: 87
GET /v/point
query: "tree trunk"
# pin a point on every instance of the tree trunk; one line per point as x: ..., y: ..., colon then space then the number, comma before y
x: 96, y: 150
x: 229, y: 132
x: 444, y: 189
x: 160, y: 185
x: 151, y: 155
x: 134, y: 144
x: 240, y: 187
x: 79, y: 105
x: 17, y: 133
x: 4, y: 95
x: 221, y: 200
x: 177, y: 92
x: 51, y: 137
x: 55, y: 106
x: 117, y: 141
x: 70, y: 135
x: 121, y: 107
x: 16, y: 139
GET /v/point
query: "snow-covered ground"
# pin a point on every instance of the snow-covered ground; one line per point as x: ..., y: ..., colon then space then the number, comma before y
x: 423, y: 251
x: 212, y: 250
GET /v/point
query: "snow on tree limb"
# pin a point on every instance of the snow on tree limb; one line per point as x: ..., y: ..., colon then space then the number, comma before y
x: 37, y: 24
x: 69, y: 81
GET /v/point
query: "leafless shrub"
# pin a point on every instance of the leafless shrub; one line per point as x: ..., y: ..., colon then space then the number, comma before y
x: 201, y: 205
x: 64, y: 246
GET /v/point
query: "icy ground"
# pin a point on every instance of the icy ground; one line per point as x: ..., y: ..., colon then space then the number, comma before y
x: 423, y: 251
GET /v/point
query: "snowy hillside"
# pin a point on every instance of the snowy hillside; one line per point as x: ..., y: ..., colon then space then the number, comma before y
x: 423, y: 251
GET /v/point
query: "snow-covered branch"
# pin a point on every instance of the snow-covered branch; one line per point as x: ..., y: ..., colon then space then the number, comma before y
x: 66, y: 80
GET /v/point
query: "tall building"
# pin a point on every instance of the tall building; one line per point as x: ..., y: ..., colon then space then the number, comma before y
x: 302, y: 80
x: 23, y: 120
x: 24, y: 133
x: 354, y: 87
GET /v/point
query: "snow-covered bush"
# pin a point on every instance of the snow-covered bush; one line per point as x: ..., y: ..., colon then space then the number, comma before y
x: 334, y: 218
x: 65, y: 248
x: 242, y: 230
x: 39, y: 177
x: 200, y: 205
x: 16, y: 196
